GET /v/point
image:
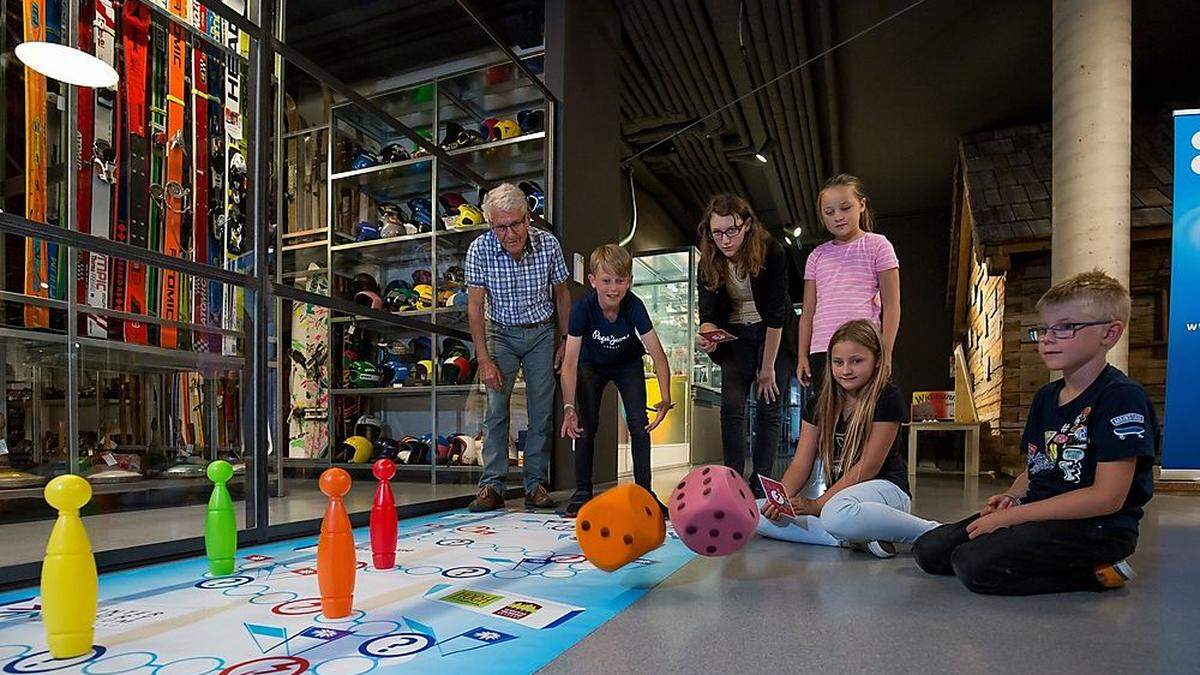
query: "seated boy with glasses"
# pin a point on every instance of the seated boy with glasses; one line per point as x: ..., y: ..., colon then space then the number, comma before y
x: 1071, y: 519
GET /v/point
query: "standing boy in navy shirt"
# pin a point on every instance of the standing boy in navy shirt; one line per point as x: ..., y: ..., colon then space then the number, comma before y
x: 608, y: 333
x: 1069, y: 521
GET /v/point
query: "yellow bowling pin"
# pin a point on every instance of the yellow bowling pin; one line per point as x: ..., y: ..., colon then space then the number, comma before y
x: 69, y: 583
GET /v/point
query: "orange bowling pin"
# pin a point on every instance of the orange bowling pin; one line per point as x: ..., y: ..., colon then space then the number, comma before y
x: 335, y: 548
x: 69, y: 584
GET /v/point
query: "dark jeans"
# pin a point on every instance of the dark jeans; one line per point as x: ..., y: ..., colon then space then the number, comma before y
x: 589, y: 390
x: 739, y: 371
x: 816, y: 364
x: 1048, y: 556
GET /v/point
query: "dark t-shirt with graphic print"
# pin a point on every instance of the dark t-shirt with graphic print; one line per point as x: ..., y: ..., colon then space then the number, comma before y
x: 1111, y: 420
x: 609, y: 343
x: 889, y: 407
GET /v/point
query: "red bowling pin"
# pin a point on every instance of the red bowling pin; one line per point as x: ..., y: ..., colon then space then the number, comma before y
x: 383, y: 517
x: 335, y: 548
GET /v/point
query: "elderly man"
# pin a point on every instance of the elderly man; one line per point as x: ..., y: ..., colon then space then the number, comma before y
x: 521, y: 272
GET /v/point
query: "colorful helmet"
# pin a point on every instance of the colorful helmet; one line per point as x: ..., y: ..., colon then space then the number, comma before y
x: 458, y: 446
x: 363, y: 159
x: 468, y: 137
x: 450, y: 140
x: 364, y: 282
x: 443, y: 450
x: 357, y: 449
x: 388, y: 448
x: 485, y: 127
x: 535, y: 196
x: 393, y: 152
x: 391, y: 213
x: 471, y: 454
x: 469, y: 215
x: 369, y: 299
x: 363, y: 374
x: 365, y: 231
x: 421, y: 277
x: 445, y: 297
x: 393, y: 371
x: 396, y: 348
x: 531, y: 120
x: 417, y: 448
x: 455, y: 369
x: 454, y: 275
x: 450, y: 201
x: 503, y: 129
x: 389, y: 230
x: 421, y: 213
x: 424, y: 296
x: 420, y: 347
x: 454, y: 347
x: 420, y: 373
x: 396, y: 296
x: 369, y: 427
x: 460, y: 298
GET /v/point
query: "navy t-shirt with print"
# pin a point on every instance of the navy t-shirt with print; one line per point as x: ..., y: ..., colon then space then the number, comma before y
x: 608, y: 343
x: 1111, y: 420
x: 889, y: 407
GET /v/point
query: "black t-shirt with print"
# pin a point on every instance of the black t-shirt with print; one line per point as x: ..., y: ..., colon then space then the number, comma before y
x: 1111, y: 420
x: 889, y: 407
x: 609, y: 343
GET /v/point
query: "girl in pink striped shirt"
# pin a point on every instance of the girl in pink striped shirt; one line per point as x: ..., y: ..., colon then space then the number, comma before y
x: 854, y: 276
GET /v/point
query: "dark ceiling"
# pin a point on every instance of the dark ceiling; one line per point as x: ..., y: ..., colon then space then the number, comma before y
x: 888, y: 106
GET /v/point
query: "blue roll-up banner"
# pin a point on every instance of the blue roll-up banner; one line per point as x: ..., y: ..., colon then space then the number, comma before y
x: 1181, y: 438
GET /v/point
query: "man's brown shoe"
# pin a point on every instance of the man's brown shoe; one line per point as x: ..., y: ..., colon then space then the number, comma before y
x: 538, y: 499
x: 487, y: 500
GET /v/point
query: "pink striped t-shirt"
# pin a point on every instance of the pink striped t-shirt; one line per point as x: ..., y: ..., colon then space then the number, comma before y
x: 847, y: 280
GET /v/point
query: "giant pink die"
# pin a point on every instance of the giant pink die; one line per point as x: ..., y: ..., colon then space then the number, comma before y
x: 713, y: 510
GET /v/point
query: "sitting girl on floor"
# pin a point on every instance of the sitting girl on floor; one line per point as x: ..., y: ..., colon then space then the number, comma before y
x: 852, y: 426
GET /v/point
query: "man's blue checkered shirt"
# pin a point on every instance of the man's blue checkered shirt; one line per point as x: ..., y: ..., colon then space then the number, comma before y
x: 518, y: 292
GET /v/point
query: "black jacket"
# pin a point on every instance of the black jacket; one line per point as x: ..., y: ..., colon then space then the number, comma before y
x: 772, y: 299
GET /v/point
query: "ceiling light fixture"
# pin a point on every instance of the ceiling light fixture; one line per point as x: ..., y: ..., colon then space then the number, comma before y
x: 66, y: 64
x: 796, y: 232
x: 764, y: 150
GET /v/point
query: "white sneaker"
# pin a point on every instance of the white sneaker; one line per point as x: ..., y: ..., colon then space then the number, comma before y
x: 881, y: 549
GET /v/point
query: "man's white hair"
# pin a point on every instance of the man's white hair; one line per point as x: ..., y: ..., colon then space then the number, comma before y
x: 504, y: 198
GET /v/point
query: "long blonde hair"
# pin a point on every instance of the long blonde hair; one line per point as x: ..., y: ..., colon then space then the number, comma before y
x: 867, y: 221
x: 751, y: 255
x: 833, y: 398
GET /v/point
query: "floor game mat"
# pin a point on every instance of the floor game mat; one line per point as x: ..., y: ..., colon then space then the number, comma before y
x: 497, y: 593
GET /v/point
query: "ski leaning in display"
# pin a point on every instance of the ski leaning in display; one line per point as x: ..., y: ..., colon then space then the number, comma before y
x: 174, y: 195
x: 104, y: 171
x: 36, y: 274
x: 135, y: 34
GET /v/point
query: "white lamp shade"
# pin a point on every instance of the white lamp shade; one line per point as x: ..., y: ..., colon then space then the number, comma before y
x: 66, y: 64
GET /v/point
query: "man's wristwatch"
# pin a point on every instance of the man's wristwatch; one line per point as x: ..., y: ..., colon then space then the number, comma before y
x: 568, y: 406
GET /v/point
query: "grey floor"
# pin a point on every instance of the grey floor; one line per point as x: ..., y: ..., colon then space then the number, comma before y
x: 776, y: 607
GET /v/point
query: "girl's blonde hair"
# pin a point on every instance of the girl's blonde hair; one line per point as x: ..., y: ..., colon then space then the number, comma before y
x: 751, y: 255
x: 833, y: 398
x: 867, y: 221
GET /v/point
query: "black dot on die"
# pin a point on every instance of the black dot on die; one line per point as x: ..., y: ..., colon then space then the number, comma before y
x: 628, y: 539
x: 710, y: 550
x: 714, y: 533
x: 719, y: 515
x: 691, y: 529
x: 708, y: 480
x: 585, y: 525
x: 681, y: 484
x: 753, y: 513
x: 706, y: 491
x: 742, y: 493
x: 679, y: 506
x: 706, y: 470
x: 604, y: 532
x: 737, y: 536
x: 648, y: 510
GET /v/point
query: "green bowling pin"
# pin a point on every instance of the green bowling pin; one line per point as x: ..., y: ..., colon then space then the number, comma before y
x: 220, y: 523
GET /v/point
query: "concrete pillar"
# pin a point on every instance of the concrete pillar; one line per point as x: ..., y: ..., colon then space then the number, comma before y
x: 1091, y: 102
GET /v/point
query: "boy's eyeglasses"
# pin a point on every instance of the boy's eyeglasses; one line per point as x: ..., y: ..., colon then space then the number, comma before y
x: 1062, y: 331
x: 727, y: 233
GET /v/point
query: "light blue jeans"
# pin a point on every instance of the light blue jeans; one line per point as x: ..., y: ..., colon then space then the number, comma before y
x: 533, y: 350
x: 875, y: 510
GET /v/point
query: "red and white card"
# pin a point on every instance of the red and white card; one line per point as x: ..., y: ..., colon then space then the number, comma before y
x: 776, y: 495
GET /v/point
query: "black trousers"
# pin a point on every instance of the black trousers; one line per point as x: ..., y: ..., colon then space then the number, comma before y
x: 739, y: 371
x: 816, y: 363
x: 1049, y: 556
x: 589, y: 391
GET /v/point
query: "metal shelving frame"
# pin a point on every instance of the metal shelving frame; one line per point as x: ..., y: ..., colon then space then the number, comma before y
x: 265, y: 291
